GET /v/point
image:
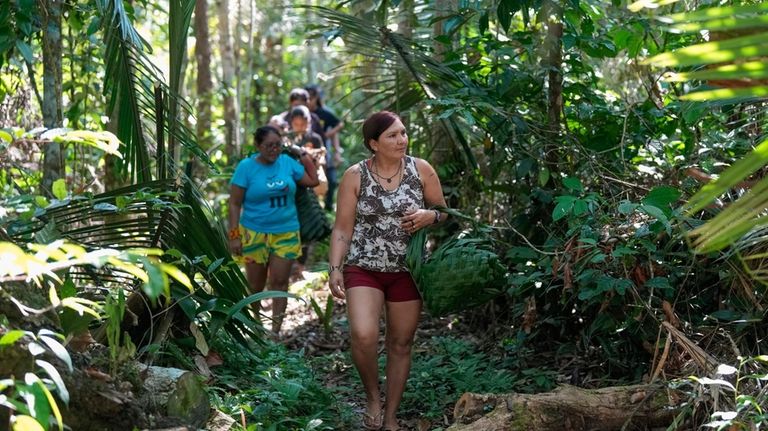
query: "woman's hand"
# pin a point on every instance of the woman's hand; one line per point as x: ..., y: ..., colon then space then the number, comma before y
x: 336, y: 283
x: 236, y: 247
x: 415, y: 220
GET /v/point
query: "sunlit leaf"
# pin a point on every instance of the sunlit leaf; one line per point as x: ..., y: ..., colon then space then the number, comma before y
x: 58, y: 349
x: 57, y: 380
x: 714, y: 382
x: 26, y: 423
x: 740, y: 71
x: 59, y: 189
x: 712, y: 52
x: 177, y: 274
x: 727, y: 93
x: 11, y: 337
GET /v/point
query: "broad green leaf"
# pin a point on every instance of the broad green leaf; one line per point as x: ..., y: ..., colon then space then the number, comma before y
x: 57, y: 349
x: 52, y: 405
x: 59, y: 189
x: 713, y: 382
x: 661, y: 197
x: 26, y: 51
x: 11, y: 337
x: 82, y: 306
x: 543, y: 176
x: 199, y: 337
x: 53, y: 296
x: 26, y: 423
x: 35, y: 399
x: 580, y: 207
x: 41, y: 201
x: 177, y: 274
x: 67, y: 289
x: 627, y: 207
x: 6, y: 137
x: 56, y: 377
x: 573, y: 183
x: 157, y: 282
x: 104, y: 140
x: 35, y: 349
x: 563, y: 207
x: 658, y: 283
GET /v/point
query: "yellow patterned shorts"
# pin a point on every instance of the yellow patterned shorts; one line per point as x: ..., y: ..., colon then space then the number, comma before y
x: 258, y: 246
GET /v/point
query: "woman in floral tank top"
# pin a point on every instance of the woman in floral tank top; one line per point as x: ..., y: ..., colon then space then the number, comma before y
x: 381, y: 202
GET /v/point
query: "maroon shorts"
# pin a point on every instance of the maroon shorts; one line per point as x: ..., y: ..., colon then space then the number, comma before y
x: 397, y: 286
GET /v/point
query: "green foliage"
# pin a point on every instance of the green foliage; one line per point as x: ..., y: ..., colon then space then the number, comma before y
x: 121, y: 349
x: 30, y: 399
x: 740, y: 392
x: 325, y: 316
x: 276, y: 389
x: 439, y: 377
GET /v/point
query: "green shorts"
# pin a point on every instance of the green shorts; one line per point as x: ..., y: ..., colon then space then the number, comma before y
x: 258, y: 246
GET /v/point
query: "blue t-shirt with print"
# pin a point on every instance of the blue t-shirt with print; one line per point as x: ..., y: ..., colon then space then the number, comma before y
x: 269, y: 204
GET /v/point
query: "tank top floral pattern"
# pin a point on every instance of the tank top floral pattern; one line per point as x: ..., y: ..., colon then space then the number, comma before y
x: 378, y: 242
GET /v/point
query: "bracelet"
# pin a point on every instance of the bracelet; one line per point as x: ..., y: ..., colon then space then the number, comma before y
x: 437, y: 217
x: 332, y: 268
x: 234, y: 233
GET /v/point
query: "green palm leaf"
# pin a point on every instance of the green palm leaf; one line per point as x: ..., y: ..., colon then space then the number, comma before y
x: 167, y: 214
x: 130, y: 81
x: 429, y: 79
x: 745, y: 65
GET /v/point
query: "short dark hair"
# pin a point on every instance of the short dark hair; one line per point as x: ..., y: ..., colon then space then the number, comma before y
x: 300, y: 111
x: 299, y: 94
x: 314, y: 90
x: 262, y: 132
x: 376, y: 124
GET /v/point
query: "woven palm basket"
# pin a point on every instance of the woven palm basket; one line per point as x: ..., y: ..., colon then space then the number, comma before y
x: 463, y: 272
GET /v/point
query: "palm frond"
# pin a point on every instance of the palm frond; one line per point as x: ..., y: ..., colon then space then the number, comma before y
x: 130, y: 81
x: 168, y: 214
x: 429, y: 79
x: 733, y: 58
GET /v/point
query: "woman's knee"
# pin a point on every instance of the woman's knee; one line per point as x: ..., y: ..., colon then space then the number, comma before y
x: 363, y: 338
x: 400, y: 345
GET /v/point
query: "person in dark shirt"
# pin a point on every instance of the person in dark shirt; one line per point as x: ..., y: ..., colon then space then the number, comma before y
x: 331, y: 126
x: 300, y: 97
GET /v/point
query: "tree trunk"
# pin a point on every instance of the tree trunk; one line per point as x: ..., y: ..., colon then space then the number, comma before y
x: 231, y: 114
x: 553, y: 61
x: 441, y: 140
x: 53, y: 165
x: 568, y: 408
x: 204, y: 83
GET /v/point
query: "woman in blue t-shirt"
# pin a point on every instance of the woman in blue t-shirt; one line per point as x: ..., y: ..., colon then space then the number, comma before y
x: 264, y: 225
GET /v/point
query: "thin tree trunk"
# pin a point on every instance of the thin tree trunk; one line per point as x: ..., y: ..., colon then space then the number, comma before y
x: 441, y: 141
x: 53, y: 165
x: 406, y: 22
x: 554, y: 62
x: 204, y: 83
x: 231, y: 114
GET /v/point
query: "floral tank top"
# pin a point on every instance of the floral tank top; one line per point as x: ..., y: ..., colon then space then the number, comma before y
x: 378, y: 242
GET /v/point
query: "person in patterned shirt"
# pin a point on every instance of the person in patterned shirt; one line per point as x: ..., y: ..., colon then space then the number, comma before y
x: 381, y: 202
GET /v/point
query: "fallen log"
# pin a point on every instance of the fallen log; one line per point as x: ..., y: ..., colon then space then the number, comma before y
x: 568, y: 408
